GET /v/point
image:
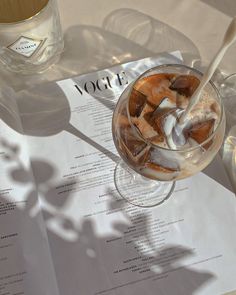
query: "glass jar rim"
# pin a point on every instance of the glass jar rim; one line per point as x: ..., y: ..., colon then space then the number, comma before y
x: 33, y: 14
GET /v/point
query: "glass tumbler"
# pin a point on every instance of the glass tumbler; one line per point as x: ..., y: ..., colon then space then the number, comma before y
x: 30, y: 35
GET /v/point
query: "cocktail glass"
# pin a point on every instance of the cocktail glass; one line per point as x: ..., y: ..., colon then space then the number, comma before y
x: 155, y: 149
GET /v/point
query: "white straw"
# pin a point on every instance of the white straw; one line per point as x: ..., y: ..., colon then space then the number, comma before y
x: 229, y: 38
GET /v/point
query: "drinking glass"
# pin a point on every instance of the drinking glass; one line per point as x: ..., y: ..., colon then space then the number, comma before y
x: 155, y: 149
x: 31, y: 38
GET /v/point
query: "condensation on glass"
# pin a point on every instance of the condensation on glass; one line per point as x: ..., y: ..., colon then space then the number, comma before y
x: 31, y: 38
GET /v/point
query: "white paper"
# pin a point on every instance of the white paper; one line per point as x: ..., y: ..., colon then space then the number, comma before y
x: 25, y: 261
x: 99, y: 244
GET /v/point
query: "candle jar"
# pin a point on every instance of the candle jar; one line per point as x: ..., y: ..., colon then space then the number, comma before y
x: 30, y: 35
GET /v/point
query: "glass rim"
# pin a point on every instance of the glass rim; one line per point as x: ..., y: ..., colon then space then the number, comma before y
x: 200, y: 145
x: 5, y: 24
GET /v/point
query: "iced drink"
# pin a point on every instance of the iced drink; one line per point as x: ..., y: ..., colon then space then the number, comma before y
x: 147, y: 132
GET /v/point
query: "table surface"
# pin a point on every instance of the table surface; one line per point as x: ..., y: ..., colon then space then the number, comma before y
x: 199, y: 21
x: 99, y: 34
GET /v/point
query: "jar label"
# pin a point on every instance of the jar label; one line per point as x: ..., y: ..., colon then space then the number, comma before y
x: 26, y: 46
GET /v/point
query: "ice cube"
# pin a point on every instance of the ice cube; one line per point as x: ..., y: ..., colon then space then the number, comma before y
x: 200, y: 131
x: 146, y: 122
x: 139, y: 159
x: 144, y: 127
x: 201, y: 114
x: 165, y: 122
x: 162, y: 164
x: 147, y: 109
x: 161, y: 93
x: 158, y: 140
x: 159, y: 120
x: 166, y: 159
x: 185, y: 84
x: 155, y: 118
x: 146, y: 84
x: 137, y: 102
x: 133, y: 144
x: 166, y: 103
x: 156, y: 87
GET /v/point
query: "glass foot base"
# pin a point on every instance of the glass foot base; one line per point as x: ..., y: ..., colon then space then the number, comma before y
x: 139, y: 190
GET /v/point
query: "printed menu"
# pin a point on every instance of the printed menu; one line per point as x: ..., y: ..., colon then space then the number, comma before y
x: 64, y: 228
